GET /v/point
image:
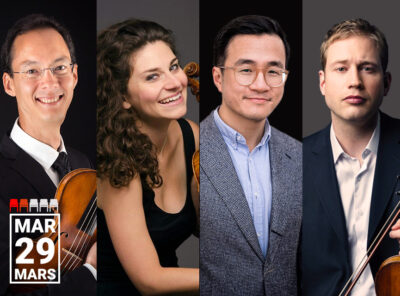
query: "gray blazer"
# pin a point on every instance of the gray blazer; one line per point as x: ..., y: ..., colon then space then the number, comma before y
x: 231, y: 261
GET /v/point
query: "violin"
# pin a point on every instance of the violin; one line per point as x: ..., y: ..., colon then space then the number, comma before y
x: 76, y: 196
x: 77, y: 199
x: 192, y: 70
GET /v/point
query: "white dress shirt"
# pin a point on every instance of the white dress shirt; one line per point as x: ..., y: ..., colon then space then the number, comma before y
x: 355, y: 184
x: 45, y: 155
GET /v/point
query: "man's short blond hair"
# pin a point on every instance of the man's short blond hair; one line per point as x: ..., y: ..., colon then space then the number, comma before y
x: 355, y: 27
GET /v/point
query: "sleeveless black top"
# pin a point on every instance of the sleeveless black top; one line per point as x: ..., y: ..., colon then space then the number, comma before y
x: 167, y: 231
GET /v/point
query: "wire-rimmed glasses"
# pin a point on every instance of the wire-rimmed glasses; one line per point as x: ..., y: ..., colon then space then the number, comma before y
x: 35, y: 72
x: 246, y: 74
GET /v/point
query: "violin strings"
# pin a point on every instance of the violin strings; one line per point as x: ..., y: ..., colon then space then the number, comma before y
x: 91, y: 213
x: 85, y: 245
x: 81, y: 246
x: 73, y: 243
x: 75, y: 259
x: 371, y: 247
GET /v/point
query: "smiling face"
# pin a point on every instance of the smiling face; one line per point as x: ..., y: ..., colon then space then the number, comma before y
x: 353, y: 81
x: 43, y: 101
x: 157, y: 88
x: 256, y: 101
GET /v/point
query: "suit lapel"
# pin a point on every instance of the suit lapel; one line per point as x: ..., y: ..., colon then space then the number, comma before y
x: 386, y: 172
x: 280, y: 163
x: 217, y: 165
x: 327, y: 187
x: 28, y: 168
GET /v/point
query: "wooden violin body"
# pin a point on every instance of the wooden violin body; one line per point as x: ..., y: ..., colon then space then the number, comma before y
x: 387, y: 280
x: 76, y: 197
x: 196, y: 167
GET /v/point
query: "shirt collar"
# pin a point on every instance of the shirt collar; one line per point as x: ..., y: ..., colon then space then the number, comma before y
x: 372, y: 145
x: 234, y: 138
x: 44, y: 154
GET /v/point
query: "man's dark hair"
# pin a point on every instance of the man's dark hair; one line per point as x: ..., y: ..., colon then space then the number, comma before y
x: 246, y: 25
x: 26, y: 24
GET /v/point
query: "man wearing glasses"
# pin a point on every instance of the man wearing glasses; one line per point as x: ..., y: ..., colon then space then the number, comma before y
x: 250, y: 173
x: 40, y: 71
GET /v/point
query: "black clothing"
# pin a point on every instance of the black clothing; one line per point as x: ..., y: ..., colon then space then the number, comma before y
x: 167, y: 231
x: 23, y: 177
x: 62, y: 165
x: 324, y: 253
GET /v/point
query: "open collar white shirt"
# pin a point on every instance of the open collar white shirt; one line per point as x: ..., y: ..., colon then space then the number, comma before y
x: 355, y: 184
x: 44, y: 154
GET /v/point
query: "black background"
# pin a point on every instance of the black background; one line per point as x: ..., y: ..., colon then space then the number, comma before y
x: 79, y: 17
x: 287, y: 117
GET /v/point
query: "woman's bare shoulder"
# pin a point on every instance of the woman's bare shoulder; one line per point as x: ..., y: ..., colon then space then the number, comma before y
x: 108, y: 194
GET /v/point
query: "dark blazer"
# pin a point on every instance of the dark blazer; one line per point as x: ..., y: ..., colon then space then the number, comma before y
x: 231, y: 261
x: 22, y: 177
x: 324, y: 251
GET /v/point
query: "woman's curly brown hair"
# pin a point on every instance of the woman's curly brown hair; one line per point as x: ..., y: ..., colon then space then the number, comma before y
x: 122, y: 150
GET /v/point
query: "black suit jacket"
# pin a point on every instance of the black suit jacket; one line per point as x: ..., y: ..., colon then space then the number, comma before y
x: 324, y: 251
x: 22, y: 177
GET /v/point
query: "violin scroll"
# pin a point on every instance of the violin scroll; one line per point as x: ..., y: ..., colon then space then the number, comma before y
x: 192, y: 70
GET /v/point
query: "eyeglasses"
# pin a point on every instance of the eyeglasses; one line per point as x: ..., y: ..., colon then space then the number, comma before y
x: 246, y: 75
x: 37, y: 73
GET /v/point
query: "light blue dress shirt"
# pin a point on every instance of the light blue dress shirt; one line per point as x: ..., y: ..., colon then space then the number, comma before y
x: 254, y: 172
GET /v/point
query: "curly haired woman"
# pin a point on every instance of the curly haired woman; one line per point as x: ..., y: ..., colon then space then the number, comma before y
x: 146, y: 192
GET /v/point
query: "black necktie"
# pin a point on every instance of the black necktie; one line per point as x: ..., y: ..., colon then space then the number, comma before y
x: 62, y: 165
